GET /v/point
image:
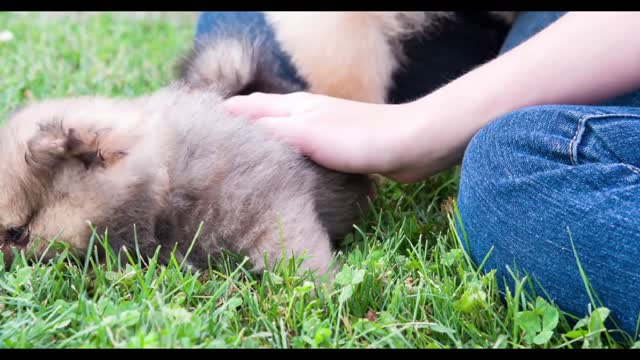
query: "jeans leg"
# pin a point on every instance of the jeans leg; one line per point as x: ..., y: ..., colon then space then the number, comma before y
x: 539, y: 178
x: 527, y: 24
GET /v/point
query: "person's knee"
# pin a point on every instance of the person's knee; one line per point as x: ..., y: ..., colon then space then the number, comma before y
x: 540, y: 139
x: 535, y: 195
x: 500, y: 160
x: 497, y: 221
x: 505, y: 147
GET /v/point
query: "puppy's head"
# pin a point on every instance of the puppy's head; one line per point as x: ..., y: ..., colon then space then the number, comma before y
x: 66, y: 165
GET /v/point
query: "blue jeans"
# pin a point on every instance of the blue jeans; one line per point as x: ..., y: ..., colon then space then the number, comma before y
x: 538, y: 179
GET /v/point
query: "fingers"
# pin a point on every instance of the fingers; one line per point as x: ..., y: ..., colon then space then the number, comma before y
x: 256, y: 105
x: 279, y: 114
x: 289, y: 129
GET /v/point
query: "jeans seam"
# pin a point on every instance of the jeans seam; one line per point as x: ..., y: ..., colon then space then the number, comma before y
x: 633, y: 169
x: 573, y: 144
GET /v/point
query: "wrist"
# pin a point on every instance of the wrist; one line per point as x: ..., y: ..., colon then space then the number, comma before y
x: 439, y: 126
x: 418, y: 147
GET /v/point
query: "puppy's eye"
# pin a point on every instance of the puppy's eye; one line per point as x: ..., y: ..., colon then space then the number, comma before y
x: 16, y: 233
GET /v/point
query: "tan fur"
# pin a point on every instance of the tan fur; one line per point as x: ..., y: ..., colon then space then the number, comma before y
x: 166, y: 163
x: 351, y: 55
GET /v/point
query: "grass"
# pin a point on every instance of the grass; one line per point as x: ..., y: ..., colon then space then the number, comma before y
x: 406, y: 282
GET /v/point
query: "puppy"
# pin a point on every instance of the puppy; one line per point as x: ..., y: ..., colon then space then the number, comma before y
x: 366, y: 56
x: 152, y: 171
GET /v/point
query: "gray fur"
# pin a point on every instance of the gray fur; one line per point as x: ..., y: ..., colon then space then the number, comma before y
x: 235, y: 64
x: 169, y: 162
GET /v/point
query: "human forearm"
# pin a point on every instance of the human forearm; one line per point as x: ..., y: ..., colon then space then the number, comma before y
x: 582, y: 58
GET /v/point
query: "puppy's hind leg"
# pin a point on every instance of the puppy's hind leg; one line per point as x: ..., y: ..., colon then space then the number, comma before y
x: 294, y: 231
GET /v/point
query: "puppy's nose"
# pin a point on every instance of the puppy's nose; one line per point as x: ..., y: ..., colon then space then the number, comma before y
x: 24, y: 239
x: 18, y: 236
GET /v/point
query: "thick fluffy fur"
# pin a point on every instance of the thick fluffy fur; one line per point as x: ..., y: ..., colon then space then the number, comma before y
x: 167, y: 162
x: 351, y: 55
x: 236, y: 64
x: 347, y: 54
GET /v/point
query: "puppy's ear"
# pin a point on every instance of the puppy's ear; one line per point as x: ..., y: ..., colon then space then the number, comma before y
x: 54, y: 143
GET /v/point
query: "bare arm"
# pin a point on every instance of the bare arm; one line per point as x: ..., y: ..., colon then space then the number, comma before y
x: 584, y: 57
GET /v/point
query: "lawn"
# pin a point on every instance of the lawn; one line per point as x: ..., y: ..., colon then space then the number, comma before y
x: 406, y: 282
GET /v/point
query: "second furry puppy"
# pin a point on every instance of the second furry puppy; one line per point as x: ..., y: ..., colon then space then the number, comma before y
x: 384, y: 56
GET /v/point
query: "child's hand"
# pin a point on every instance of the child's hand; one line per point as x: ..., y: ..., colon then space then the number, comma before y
x: 344, y: 135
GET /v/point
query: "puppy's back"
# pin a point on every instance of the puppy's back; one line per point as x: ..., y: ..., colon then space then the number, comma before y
x: 238, y: 63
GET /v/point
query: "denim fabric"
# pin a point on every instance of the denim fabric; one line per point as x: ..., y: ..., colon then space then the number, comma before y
x: 537, y: 179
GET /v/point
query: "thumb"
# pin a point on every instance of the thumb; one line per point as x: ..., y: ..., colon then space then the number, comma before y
x: 257, y: 105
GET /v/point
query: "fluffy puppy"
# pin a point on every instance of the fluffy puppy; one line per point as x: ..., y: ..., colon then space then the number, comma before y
x: 353, y: 55
x: 167, y: 163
